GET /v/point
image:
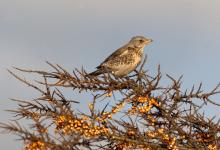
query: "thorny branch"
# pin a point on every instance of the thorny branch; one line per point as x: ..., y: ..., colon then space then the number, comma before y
x: 144, y: 115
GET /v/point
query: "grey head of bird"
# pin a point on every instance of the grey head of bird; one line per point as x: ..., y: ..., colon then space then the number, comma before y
x: 139, y: 41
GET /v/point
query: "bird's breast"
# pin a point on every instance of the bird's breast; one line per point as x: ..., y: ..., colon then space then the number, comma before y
x: 128, y: 65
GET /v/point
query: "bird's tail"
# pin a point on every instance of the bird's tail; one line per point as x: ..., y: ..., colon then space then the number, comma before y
x: 100, y: 70
x: 96, y: 73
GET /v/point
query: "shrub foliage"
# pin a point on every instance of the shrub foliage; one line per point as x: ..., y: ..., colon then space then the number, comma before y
x: 139, y: 113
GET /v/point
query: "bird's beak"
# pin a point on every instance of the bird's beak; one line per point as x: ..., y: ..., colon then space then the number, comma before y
x: 148, y: 41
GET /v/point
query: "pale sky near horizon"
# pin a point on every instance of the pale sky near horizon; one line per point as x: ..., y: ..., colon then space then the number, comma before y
x: 75, y: 33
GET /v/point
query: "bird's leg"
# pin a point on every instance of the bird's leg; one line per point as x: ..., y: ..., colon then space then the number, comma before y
x: 136, y: 71
x: 134, y: 74
x: 127, y: 77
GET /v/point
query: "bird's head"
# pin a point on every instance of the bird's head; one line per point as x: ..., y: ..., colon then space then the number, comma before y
x: 139, y: 41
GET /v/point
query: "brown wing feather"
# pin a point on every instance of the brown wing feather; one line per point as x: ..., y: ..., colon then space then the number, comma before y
x: 119, y: 52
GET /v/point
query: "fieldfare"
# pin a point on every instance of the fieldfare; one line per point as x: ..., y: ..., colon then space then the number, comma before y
x: 125, y: 59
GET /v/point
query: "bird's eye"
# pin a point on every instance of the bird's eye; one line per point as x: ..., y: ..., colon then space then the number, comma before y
x: 141, y: 41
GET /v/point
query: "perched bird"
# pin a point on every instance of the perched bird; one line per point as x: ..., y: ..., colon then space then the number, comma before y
x: 125, y: 59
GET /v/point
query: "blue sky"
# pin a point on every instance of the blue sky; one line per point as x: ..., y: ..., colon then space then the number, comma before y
x: 75, y: 33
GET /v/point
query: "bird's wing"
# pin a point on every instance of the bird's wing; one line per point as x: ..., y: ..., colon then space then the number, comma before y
x: 118, y: 53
